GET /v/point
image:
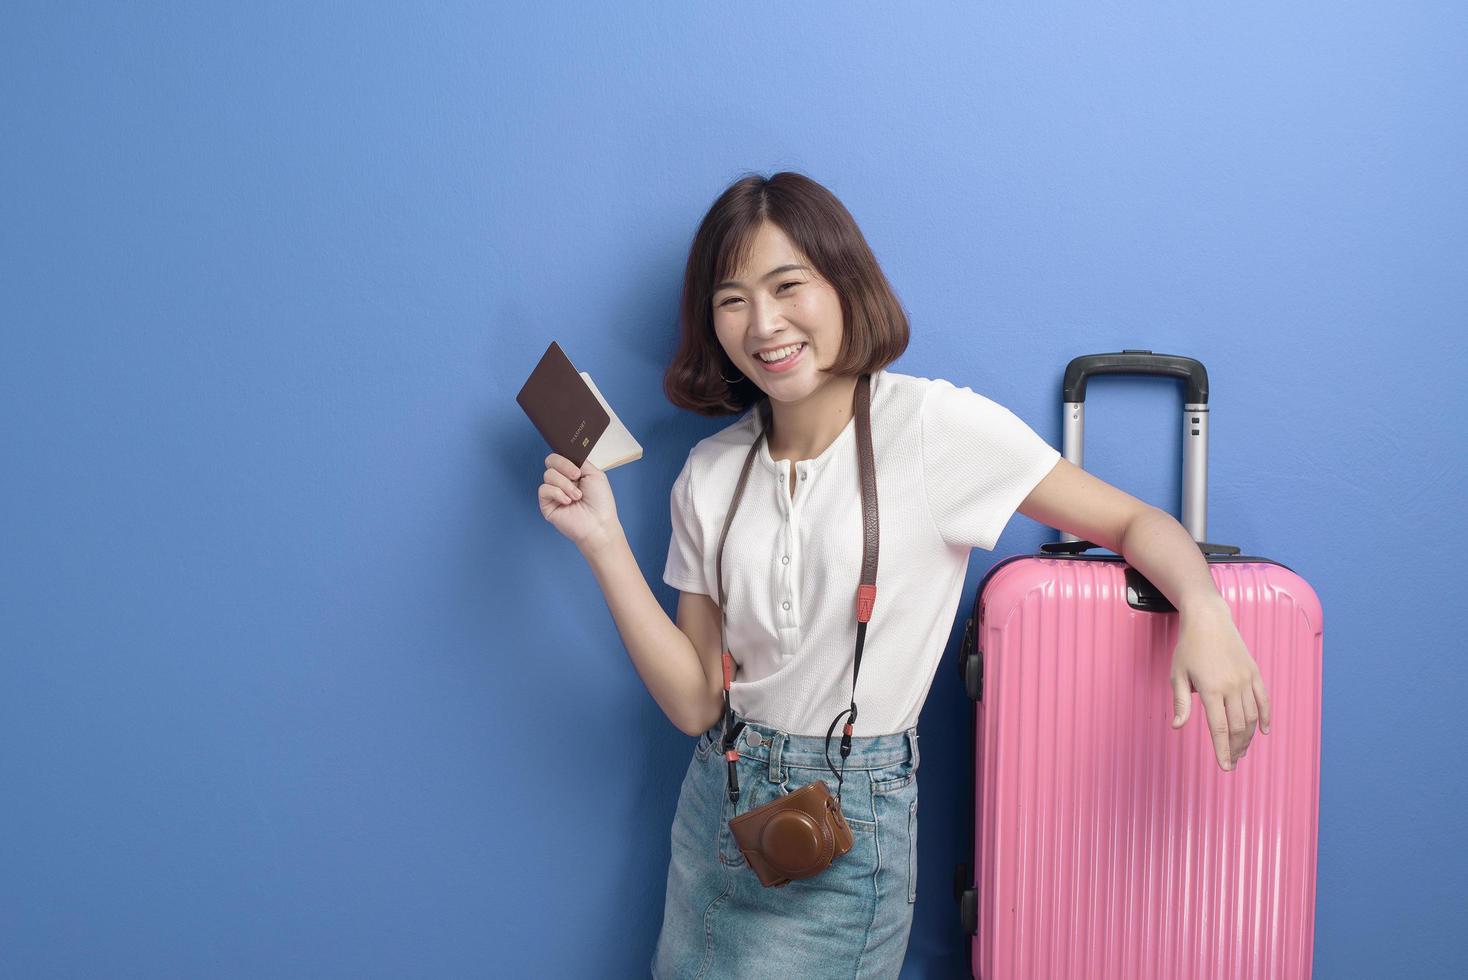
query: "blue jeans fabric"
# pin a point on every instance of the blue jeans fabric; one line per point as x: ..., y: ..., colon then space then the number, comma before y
x: 851, y: 921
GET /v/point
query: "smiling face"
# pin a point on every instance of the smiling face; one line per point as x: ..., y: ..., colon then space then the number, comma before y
x: 777, y: 299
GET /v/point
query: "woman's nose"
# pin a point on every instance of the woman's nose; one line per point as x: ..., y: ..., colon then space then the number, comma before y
x: 768, y: 321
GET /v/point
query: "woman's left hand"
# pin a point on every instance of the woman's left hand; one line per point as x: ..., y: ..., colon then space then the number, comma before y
x: 1211, y: 659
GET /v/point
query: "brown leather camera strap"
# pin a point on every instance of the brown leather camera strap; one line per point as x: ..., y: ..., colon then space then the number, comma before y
x: 866, y: 591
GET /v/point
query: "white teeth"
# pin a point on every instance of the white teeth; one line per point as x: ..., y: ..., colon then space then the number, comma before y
x: 781, y: 354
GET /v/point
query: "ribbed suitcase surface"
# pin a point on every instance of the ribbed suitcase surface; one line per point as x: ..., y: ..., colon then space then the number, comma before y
x: 1108, y: 844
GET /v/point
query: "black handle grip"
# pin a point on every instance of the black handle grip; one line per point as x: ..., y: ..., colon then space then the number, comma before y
x: 1137, y: 362
x: 1080, y: 547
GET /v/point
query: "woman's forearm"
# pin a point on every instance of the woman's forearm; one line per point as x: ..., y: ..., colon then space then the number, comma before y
x: 664, y: 656
x: 1162, y: 549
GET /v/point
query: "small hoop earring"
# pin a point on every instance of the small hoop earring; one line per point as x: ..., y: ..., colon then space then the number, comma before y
x: 729, y: 382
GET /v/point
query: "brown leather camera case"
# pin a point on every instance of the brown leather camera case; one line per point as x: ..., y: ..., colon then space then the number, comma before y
x: 794, y: 836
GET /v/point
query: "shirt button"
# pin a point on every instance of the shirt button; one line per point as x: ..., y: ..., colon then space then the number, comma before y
x: 784, y: 559
x: 784, y: 605
x: 803, y: 476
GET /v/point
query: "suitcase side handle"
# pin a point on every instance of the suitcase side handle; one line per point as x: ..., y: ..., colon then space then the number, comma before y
x: 1195, y: 420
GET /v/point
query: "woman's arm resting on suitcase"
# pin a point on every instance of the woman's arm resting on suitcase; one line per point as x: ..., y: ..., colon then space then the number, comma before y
x: 1211, y: 657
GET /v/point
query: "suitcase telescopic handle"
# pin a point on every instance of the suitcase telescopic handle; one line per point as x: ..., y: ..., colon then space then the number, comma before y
x: 1195, y: 420
x: 1191, y: 370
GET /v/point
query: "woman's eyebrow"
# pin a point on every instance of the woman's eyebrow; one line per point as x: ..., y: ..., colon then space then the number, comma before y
x: 773, y: 272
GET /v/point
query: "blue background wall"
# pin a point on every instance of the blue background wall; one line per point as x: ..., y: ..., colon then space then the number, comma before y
x: 295, y: 680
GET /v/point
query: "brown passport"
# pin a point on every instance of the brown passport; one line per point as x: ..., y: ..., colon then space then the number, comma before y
x: 572, y: 416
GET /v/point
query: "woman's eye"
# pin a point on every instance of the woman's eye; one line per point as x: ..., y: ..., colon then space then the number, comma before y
x: 737, y: 299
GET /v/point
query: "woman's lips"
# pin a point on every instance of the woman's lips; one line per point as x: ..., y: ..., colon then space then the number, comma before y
x: 786, y: 364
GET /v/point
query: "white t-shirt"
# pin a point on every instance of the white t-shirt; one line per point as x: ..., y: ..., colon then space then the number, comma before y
x: 952, y: 467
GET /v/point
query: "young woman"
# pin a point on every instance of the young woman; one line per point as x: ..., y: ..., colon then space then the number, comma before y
x: 784, y: 303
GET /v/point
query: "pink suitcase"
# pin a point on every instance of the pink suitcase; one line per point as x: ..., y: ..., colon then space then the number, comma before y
x: 1106, y: 843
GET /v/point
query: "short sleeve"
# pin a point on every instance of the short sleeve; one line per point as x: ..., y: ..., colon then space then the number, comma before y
x: 684, y: 569
x: 980, y: 461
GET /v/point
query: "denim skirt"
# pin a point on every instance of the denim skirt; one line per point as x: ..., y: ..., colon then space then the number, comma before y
x: 850, y: 921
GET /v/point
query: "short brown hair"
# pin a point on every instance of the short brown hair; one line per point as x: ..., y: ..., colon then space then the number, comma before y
x: 875, y: 326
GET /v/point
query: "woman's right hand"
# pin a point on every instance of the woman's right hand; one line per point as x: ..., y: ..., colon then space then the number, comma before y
x: 578, y: 501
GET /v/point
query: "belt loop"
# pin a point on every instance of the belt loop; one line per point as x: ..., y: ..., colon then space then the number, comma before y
x: 777, y: 742
x: 912, y: 746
